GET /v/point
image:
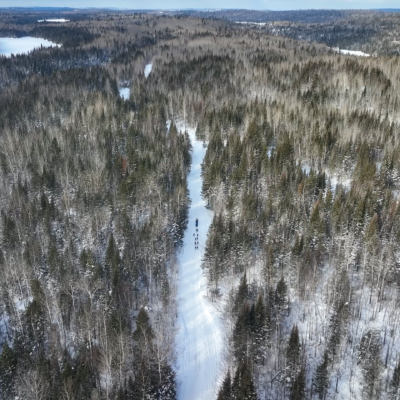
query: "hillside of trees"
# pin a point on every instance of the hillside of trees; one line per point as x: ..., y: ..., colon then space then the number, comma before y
x: 371, y: 31
x: 94, y: 203
x: 299, y: 16
x: 302, y: 171
x: 375, y: 33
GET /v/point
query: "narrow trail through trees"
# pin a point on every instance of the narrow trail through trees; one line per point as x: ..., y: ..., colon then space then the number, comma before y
x: 199, y: 341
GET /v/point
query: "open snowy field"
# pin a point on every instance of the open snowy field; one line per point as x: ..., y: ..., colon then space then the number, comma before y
x: 22, y: 45
x: 199, y: 341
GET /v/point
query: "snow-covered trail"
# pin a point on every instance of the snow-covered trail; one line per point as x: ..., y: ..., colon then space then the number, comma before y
x: 199, y: 341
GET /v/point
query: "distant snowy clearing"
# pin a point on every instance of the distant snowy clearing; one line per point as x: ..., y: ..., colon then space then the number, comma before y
x: 251, y: 23
x: 147, y: 69
x: 355, y: 53
x: 351, y: 52
x: 23, y: 45
x: 53, y: 20
x: 125, y: 93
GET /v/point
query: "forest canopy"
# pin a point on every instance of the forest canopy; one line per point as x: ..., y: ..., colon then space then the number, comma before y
x: 301, y: 171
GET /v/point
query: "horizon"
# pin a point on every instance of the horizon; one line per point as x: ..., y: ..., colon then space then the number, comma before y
x: 256, y: 5
x: 194, y: 9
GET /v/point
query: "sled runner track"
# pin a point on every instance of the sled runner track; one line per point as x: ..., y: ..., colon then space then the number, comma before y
x: 199, y: 341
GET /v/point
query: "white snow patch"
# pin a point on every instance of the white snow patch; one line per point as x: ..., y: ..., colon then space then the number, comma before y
x: 105, y: 380
x: 147, y: 69
x: 355, y: 53
x: 200, y: 339
x: 270, y: 150
x: 351, y: 52
x: 54, y: 20
x: 251, y: 23
x: 125, y: 93
x: 335, y: 178
x: 21, y: 305
x: 338, y: 179
x: 306, y: 169
x: 22, y: 45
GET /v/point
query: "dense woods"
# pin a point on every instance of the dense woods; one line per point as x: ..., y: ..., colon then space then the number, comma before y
x: 302, y: 172
x: 372, y: 31
x: 94, y: 204
x: 303, y: 178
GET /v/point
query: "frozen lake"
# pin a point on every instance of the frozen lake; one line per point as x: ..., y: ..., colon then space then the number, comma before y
x: 22, y: 45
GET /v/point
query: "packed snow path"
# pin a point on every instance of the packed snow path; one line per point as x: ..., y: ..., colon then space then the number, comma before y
x: 199, y: 341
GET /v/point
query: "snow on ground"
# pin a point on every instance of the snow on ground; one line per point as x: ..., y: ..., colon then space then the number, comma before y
x: 338, y: 179
x: 354, y: 53
x: 251, y: 23
x: 380, y: 316
x: 22, y: 45
x: 21, y: 305
x: 200, y: 339
x: 270, y: 150
x: 54, y: 20
x: 125, y: 93
x: 335, y: 177
x: 351, y: 52
x: 306, y: 168
x: 147, y: 69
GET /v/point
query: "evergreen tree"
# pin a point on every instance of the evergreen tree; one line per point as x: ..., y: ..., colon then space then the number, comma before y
x: 242, y: 293
x: 298, y: 390
x: 144, y: 333
x: 167, y: 387
x: 241, y: 333
x: 321, y: 378
x: 142, y: 385
x: 260, y: 331
x: 369, y: 357
x: 225, y: 390
x: 112, y: 262
x: 293, y: 350
x: 243, y: 385
x: 281, y: 299
x: 396, y: 379
x: 8, y: 366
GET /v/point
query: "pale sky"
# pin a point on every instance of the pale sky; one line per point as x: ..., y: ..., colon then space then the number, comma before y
x: 176, y: 4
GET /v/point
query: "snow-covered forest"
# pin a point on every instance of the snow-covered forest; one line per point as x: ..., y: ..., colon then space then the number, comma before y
x: 101, y: 141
